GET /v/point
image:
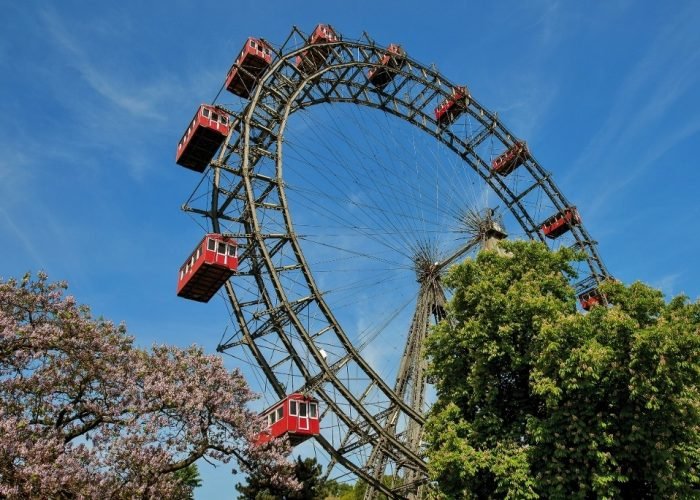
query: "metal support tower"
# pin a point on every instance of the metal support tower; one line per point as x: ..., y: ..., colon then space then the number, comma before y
x: 485, y: 230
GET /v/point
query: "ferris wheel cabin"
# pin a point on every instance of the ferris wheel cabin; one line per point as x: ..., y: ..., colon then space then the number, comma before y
x: 250, y: 64
x: 296, y: 417
x: 200, y: 142
x: 393, y: 59
x: 212, y: 262
x: 511, y: 159
x: 560, y: 223
x: 590, y: 298
x: 452, y: 107
x: 313, y: 58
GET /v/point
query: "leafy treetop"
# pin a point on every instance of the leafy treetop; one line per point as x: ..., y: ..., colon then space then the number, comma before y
x: 535, y: 399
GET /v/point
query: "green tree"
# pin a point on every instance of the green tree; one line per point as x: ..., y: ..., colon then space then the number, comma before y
x: 189, y: 479
x: 336, y: 490
x: 307, y: 472
x: 537, y: 400
x: 355, y: 491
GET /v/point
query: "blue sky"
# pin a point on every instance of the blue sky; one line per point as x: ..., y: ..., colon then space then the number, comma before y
x: 95, y: 97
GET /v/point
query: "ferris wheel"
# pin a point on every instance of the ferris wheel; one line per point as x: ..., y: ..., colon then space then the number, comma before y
x: 340, y: 180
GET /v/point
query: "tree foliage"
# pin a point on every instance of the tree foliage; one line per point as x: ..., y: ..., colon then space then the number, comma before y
x: 83, y: 412
x: 188, y: 479
x: 309, y: 474
x: 537, y: 400
x: 340, y: 491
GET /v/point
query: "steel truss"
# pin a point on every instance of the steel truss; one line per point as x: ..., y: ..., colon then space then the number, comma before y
x: 376, y: 426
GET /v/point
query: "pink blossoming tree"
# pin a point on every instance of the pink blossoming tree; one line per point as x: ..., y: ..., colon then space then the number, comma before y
x: 84, y: 413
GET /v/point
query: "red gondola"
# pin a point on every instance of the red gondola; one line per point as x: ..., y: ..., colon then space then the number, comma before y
x: 393, y: 59
x: 452, y: 107
x: 212, y: 262
x: 511, y: 159
x: 590, y: 298
x: 255, y: 57
x: 312, y: 59
x: 202, y: 139
x: 296, y: 417
x: 560, y: 223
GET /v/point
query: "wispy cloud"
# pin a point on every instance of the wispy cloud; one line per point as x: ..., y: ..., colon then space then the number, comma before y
x: 528, y: 88
x: 668, y: 283
x: 130, y: 96
x: 28, y: 243
x: 533, y: 96
x: 113, y: 102
x: 663, y: 76
x: 651, y: 156
x: 550, y: 28
x: 14, y: 176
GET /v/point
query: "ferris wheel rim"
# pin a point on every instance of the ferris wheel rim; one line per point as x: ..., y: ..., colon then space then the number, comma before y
x: 442, y: 135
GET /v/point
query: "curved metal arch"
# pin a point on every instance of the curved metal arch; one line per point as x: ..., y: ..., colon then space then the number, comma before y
x: 269, y: 123
x: 313, y: 349
x: 432, y: 80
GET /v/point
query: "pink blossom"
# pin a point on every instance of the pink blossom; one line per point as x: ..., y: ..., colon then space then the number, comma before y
x: 84, y: 413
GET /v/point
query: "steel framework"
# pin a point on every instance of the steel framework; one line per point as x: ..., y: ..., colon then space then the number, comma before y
x: 374, y: 427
